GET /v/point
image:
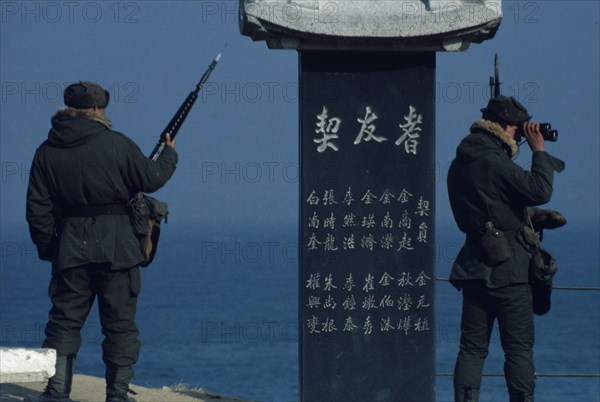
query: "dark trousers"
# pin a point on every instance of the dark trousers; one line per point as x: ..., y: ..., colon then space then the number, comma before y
x: 73, y: 292
x: 512, y: 307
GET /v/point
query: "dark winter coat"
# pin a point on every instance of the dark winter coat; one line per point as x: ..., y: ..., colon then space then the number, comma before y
x: 484, y: 184
x: 84, y: 163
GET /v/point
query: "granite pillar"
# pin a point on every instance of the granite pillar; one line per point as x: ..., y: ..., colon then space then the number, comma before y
x: 367, y: 192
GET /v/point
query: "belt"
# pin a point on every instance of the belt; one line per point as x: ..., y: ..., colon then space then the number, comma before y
x: 475, y: 237
x: 95, y: 210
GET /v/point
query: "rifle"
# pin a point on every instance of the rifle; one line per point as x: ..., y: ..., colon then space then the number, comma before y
x: 546, y: 128
x: 495, y: 80
x: 175, y: 124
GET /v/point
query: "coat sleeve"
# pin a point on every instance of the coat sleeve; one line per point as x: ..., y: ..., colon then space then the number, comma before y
x: 530, y: 187
x: 40, y: 210
x: 141, y: 173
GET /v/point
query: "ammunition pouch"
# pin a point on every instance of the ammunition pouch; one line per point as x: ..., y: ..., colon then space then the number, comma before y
x: 494, y: 244
x: 146, y: 214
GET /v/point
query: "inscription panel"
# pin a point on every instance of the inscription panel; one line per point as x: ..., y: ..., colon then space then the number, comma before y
x: 367, y: 226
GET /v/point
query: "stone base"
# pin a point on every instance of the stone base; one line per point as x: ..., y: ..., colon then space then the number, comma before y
x: 26, y: 365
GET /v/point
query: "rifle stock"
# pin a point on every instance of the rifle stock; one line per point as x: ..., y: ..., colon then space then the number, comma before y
x: 175, y: 124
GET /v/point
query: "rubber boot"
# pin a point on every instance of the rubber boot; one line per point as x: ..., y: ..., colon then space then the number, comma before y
x: 117, y: 383
x: 58, y: 388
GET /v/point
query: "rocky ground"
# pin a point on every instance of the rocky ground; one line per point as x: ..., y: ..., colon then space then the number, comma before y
x: 92, y: 389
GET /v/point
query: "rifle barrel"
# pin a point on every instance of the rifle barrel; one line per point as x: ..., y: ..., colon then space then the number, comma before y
x: 177, y: 120
x: 496, y: 77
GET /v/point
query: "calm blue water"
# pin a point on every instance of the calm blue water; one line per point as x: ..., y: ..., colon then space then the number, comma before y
x: 218, y: 310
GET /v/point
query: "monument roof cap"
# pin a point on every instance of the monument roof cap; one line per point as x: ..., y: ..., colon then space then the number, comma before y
x: 370, y: 24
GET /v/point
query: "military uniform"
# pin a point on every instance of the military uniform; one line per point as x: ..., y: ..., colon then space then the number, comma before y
x: 485, y: 185
x: 81, y: 180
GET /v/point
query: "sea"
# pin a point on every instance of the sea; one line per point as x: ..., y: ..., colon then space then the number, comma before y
x: 219, y: 311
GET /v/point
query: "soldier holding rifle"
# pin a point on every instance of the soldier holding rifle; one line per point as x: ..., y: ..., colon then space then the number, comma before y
x: 82, y: 179
x: 87, y: 215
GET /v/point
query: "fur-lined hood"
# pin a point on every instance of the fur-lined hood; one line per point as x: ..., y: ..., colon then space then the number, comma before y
x: 82, y: 113
x: 72, y: 127
x: 486, y: 137
x: 498, y: 132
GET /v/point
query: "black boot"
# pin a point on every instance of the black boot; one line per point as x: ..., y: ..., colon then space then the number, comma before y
x: 58, y: 388
x: 466, y: 395
x: 117, y: 383
x: 518, y: 396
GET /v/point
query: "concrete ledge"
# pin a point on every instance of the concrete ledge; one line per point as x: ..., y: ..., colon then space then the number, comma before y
x: 26, y: 365
x: 93, y: 389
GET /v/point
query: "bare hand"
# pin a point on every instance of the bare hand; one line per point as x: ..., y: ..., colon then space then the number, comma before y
x: 168, y: 141
x: 533, y: 136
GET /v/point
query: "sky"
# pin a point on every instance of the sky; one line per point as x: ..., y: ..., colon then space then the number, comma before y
x: 239, y: 146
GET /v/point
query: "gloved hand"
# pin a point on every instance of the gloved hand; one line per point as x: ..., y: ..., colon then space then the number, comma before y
x: 545, y: 219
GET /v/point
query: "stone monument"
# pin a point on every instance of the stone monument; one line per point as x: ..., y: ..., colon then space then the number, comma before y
x: 367, y: 154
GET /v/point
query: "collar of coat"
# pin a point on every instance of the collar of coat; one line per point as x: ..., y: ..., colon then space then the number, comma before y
x: 497, y: 131
x: 89, y: 114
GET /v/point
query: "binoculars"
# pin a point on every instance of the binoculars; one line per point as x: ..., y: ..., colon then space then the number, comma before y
x: 547, y: 132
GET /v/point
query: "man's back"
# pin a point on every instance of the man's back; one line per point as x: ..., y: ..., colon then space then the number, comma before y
x: 83, y: 176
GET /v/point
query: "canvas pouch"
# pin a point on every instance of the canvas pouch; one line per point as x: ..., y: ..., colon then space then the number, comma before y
x: 542, y: 268
x: 495, y: 245
x: 146, y: 214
